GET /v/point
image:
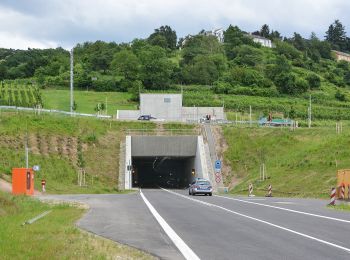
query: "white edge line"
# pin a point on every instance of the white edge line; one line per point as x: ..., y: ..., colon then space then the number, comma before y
x: 263, y: 221
x: 290, y: 210
x: 185, y: 250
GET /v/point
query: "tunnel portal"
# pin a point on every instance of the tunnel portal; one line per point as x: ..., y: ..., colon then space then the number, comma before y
x: 164, y: 161
x: 167, y: 172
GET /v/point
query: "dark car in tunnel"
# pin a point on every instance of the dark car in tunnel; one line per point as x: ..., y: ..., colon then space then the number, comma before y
x: 200, y: 186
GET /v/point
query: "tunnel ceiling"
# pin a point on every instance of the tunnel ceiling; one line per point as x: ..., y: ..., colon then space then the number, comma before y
x: 171, y: 146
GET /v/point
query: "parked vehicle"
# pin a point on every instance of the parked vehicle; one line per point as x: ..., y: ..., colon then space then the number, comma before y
x: 200, y: 186
x: 146, y: 117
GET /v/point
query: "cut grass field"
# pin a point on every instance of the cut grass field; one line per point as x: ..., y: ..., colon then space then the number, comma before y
x: 59, y: 143
x: 53, y: 237
x: 301, y: 163
x: 87, y: 100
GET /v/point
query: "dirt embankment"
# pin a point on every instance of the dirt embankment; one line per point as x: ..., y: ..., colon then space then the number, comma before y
x: 230, y: 180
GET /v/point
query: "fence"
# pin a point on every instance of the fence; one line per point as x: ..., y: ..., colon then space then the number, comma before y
x: 52, y: 111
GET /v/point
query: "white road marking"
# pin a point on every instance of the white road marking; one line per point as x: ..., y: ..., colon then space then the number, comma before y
x: 290, y: 210
x: 185, y: 250
x: 284, y: 202
x: 262, y: 221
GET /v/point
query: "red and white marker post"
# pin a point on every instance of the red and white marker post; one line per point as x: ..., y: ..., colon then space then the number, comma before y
x: 250, y: 189
x: 269, y: 191
x: 333, y: 191
x: 342, y: 192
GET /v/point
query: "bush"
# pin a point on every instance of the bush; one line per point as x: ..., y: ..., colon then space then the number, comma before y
x: 313, y: 80
x: 107, y: 85
x: 340, y: 96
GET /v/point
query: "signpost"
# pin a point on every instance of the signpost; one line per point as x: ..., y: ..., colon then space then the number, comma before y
x: 218, y: 171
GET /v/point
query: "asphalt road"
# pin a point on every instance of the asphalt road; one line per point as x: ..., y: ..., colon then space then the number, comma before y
x: 219, y: 227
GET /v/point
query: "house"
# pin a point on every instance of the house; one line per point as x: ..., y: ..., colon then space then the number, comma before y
x: 262, y: 40
x: 218, y: 33
x: 341, y: 55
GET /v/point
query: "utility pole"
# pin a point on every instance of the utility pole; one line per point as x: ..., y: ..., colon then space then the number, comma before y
x: 106, y: 107
x: 250, y: 116
x: 27, y: 160
x: 71, y: 80
x: 310, y: 113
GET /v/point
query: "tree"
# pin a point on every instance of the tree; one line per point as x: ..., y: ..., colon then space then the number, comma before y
x: 156, y: 69
x: 298, y: 42
x: 336, y: 35
x: 127, y: 64
x: 265, y: 31
x: 200, y: 45
x: 167, y: 33
x: 234, y: 37
x: 204, y: 69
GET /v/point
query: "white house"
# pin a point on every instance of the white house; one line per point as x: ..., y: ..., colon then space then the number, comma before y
x: 262, y: 40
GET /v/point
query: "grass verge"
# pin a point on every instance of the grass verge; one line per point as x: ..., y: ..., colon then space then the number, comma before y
x: 302, y: 163
x: 341, y: 207
x: 53, y: 237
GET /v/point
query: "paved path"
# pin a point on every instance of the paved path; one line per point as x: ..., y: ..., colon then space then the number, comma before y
x: 220, y: 227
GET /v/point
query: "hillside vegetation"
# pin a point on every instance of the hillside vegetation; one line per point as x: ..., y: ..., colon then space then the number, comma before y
x: 298, y: 163
x: 237, y: 72
x: 61, y: 146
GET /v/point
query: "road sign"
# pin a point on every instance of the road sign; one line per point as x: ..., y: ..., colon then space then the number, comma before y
x: 217, y: 179
x: 36, y: 168
x: 217, y: 165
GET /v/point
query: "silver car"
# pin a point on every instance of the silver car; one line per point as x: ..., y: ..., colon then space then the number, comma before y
x: 200, y: 186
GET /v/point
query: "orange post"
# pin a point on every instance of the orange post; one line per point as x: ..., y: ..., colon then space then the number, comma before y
x: 22, y: 181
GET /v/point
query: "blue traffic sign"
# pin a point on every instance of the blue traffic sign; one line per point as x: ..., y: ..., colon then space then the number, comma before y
x: 217, y: 164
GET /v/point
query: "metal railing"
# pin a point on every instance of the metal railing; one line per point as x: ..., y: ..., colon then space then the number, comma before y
x: 40, y: 110
x: 163, y: 132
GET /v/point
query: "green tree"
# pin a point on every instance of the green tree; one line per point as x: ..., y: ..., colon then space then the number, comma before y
x: 167, y: 33
x: 156, y: 69
x: 234, y: 37
x: 336, y: 35
x: 265, y: 31
x: 127, y: 64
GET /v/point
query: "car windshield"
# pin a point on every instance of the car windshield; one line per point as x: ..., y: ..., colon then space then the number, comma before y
x: 203, y: 183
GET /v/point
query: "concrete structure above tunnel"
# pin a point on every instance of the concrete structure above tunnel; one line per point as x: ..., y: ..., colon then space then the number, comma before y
x: 185, y: 152
x: 171, y: 146
x: 168, y: 107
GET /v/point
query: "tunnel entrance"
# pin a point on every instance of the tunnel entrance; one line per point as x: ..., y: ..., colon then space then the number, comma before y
x: 163, y: 161
x: 162, y: 171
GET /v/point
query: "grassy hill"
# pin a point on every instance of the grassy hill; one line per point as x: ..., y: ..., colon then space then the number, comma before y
x: 60, y: 145
x: 299, y: 163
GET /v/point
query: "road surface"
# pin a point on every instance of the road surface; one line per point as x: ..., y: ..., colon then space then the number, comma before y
x: 173, y: 225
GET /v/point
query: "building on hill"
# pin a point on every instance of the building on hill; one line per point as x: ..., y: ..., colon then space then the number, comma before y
x: 168, y: 107
x: 341, y: 55
x: 262, y: 40
x: 218, y: 33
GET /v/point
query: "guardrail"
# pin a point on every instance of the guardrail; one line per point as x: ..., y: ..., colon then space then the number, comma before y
x: 36, y: 110
x: 164, y: 132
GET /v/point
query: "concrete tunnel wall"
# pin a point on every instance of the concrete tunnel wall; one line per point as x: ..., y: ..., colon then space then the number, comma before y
x: 167, y: 146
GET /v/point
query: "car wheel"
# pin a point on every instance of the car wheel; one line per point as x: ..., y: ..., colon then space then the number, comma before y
x: 210, y: 194
x: 193, y: 194
x: 189, y: 192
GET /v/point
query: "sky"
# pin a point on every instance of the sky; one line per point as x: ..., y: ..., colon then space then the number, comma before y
x: 64, y: 23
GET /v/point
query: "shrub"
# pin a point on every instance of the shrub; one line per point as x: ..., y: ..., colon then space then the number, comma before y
x: 313, y: 80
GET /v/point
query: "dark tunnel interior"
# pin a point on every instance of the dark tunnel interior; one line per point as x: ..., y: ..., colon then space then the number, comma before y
x: 166, y: 172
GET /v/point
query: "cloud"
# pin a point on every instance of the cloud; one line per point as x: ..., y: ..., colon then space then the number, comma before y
x: 40, y: 23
